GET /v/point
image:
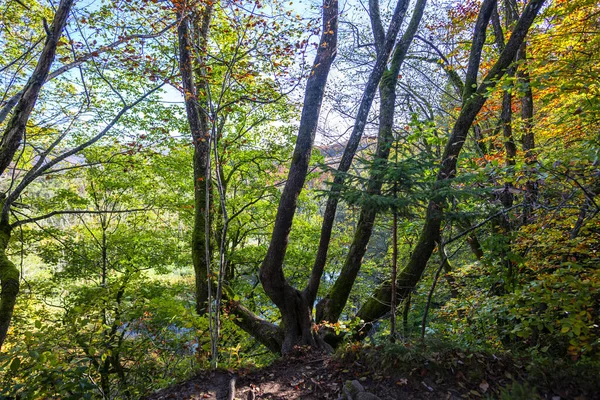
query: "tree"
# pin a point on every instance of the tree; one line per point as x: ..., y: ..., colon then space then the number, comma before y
x: 295, y: 310
x: 331, y: 306
x: 51, y: 150
x: 473, y: 100
x: 11, y: 140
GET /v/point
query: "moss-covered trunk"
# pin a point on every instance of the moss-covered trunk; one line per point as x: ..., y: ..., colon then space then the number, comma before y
x: 331, y: 306
x: 9, y: 280
x: 384, y: 45
x: 194, y: 82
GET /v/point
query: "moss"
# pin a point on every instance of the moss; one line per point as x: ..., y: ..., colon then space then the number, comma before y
x: 9, y: 277
x: 8, y: 270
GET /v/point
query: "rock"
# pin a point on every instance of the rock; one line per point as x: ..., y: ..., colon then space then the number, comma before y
x: 366, y: 396
x: 352, y: 388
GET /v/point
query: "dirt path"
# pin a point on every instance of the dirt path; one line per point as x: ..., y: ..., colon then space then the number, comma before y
x: 451, y: 376
x: 298, y: 378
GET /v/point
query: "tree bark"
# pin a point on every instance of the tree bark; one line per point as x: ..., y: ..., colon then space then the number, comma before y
x: 330, y: 307
x: 9, y: 277
x: 296, y: 312
x: 9, y: 144
x: 15, y: 129
x: 384, y: 51
x: 473, y: 101
x: 528, y: 139
x: 268, y: 334
x: 199, y: 129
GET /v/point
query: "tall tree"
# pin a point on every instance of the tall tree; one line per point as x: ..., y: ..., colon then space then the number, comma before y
x: 195, y: 88
x: 10, y: 143
x: 384, y: 45
x: 296, y: 312
x: 330, y: 308
x: 474, y: 97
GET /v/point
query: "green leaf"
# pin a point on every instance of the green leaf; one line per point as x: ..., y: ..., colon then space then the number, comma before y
x: 15, y: 364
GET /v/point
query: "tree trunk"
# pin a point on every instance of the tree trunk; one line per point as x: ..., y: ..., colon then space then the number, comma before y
x: 528, y: 139
x: 9, y: 277
x: 384, y: 51
x: 330, y: 307
x: 268, y: 334
x: 9, y: 144
x: 199, y: 128
x: 473, y: 101
x: 295, y: 311
x: 15, y: 129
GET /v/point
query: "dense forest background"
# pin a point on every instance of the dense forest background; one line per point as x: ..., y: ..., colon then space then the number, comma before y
x: 188, y: 185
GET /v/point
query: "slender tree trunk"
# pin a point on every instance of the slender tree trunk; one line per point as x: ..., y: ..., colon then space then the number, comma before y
x: 394, y: 272
x: 15, y: 129
x: 199, y: 128
x: 331, y: 306
x: 9, y: 144
x: 296, y: 311
x: 384, y: 50
x: 507, y: 197
x: 473, y: 100
x: 528, y: 139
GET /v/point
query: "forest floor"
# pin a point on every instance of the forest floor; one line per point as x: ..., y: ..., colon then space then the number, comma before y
x: 444, y: 375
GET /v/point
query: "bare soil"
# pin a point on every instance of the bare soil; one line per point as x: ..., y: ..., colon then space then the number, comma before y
x: 317, y: 376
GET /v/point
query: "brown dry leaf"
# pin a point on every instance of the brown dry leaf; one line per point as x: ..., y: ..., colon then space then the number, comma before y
x: 484, y: 386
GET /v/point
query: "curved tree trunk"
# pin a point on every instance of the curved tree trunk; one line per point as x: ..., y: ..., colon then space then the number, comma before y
x: 296, y: 312
x: 15, y: 129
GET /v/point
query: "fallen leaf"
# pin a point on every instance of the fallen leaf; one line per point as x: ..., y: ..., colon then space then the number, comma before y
x: 484, y: 386
x: 427, y: 386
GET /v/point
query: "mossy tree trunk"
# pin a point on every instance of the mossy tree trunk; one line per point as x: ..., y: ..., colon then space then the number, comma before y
x: 9, y: 276
x: 384, y: 44
x: 194, y: 82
